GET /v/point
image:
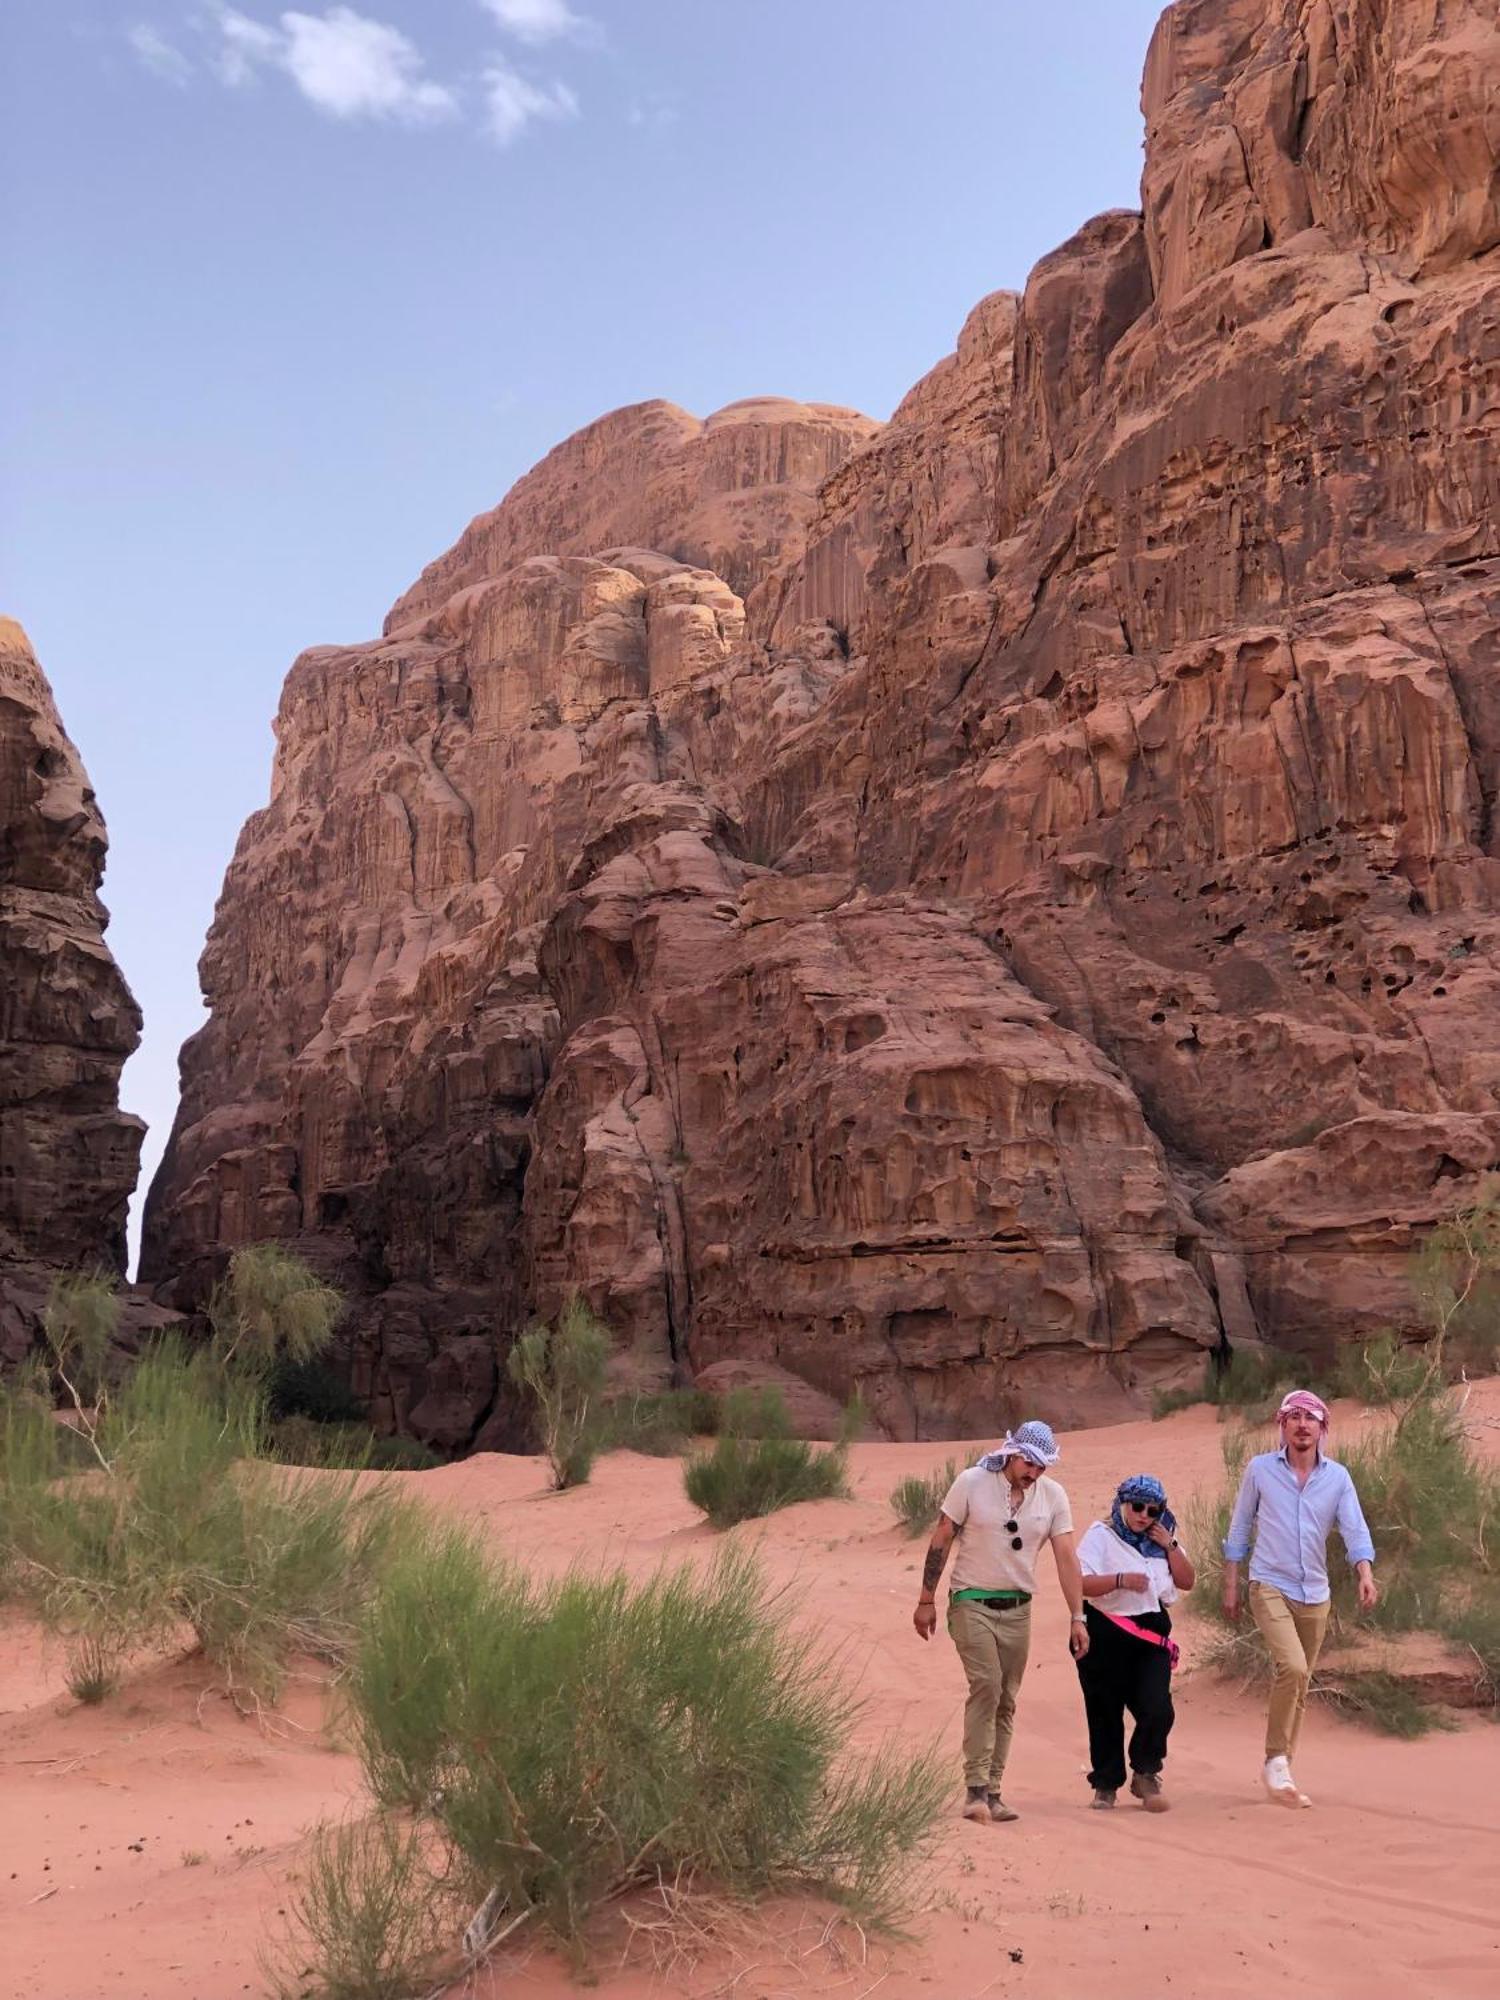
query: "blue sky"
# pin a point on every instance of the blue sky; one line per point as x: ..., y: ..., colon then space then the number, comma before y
x: 289, y: 295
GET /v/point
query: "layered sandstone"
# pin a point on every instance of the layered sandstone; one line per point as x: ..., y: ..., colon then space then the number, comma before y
x: 975, y: 909
x: 68, y: 1154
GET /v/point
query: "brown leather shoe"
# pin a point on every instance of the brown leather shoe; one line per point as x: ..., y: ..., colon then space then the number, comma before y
x: 1146, y: 1786
x: 999, y: 1810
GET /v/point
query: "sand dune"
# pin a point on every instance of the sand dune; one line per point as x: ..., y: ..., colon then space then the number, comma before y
x: 145, y: 1845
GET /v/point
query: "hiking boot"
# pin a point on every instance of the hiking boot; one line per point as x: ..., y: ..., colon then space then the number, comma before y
x: 999, y: 1810
x: 1104, y: 1798
x: 1146, y: 1786
x: 976, y: 1804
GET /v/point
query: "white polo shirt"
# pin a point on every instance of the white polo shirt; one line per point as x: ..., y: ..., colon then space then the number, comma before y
x: 1102, y: 1553
x: 980, y: 1504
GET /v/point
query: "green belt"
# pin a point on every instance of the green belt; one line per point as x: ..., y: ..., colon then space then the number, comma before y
x: 1005, y: 1600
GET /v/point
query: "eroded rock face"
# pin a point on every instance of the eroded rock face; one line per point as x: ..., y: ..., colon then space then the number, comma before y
x: 973, y: 909
x: 68, y: 1154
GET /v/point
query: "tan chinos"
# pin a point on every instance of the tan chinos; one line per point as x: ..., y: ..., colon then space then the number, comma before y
x: 993, y: 1644
x: 1294, y: 1635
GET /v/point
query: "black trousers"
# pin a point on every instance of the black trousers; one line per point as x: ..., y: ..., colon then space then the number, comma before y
x: 1120, y: 1672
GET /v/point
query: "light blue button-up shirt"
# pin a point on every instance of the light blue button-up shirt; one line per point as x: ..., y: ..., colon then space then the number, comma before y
x: 1292, y: 1524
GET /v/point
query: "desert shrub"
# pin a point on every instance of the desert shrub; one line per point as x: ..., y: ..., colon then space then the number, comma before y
x: 1381, y: 1371
x: 1383, y: 1701
x: 1456, y: 1277
x: 748, y: 1475
x: 661, y: 1424
x: 270, y: 1308
x: 1245, y: 1381
x: 312, y: 1389
x: 572, y: 1739
x: 368, y: 1918
x: 78, y: 1324
x: 93, y: 1670
x: 349, y: 1447
x: 915, y: 1501
x: 562, y: 1369
x: 177, y: 1525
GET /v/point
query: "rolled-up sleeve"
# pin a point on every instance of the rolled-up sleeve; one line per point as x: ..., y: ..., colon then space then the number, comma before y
x: 1237, y: 1541
x: 1353, y: 1528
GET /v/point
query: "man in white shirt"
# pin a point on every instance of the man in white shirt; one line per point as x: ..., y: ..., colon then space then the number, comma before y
x: 1002, y: 1510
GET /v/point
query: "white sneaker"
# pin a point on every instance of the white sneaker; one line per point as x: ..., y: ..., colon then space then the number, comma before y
x: 1281, y: 1784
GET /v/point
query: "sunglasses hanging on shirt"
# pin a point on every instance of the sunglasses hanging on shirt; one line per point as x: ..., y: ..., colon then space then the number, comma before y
x: 1010, y: 1529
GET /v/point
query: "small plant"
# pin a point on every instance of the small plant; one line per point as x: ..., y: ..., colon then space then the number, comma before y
x: 1244, y: 1380
x: 369, y: 1921
x: 346, y: 1447
x: 746, y: 1477
x: 192, y: 1857
x: 569, y: 1741
x: 1384, y: 1701
x: 562, y: 1369
x: 915, y: 1501
x: 93, y: 1670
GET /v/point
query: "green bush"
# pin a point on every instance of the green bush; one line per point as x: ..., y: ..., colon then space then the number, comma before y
x: 368, y: 1919
x: 176, y: 1524
x: 1248, y: 1382
x: 270, y: 1308
x: 1381, y: 1371
x: 915, y: 1501
x: 562, y: 1369
x: 312, y: 1389
x: 659, y: 1424
x: 573, y: 1739
x: 350, y: 1447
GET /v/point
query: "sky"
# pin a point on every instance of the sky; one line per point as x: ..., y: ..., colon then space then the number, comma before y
x: 287, y: 296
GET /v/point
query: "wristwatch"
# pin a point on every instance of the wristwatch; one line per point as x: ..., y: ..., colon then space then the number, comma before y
x: 1079, y: 1619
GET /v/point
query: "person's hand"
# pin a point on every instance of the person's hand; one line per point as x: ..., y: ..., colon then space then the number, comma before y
x: 1232, y: 1599
x: 925, y: 1618
x: 1161, y: 1534
x: 1078, y: 1639
x: 1369, y: 1592
x: 1133, y: 1579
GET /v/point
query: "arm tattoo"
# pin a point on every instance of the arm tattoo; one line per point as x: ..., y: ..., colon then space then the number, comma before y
x: 932, y: 1569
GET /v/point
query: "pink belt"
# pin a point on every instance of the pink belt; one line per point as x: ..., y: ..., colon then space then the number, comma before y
x: 1173, y: 1650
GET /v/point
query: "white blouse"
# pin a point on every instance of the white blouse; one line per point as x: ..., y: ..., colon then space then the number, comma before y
x: 1102, y: 1553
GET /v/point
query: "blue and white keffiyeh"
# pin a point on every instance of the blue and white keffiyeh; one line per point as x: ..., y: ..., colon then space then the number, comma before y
x: 1031, y: 1440
x: 1140, y: 1486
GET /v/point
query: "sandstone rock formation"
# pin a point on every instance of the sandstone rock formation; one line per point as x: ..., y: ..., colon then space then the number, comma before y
x: 68, y: 1154
x: 977, y: 908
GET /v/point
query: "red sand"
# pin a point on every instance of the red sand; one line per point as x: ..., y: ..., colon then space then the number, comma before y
x: 145, y: 1844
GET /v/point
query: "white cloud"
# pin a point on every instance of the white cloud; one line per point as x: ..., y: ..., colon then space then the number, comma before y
x: 537, y: 21
x: 512, y: 103
x: 157, y: 54
x: 246, y: 43
x: 342, y: 62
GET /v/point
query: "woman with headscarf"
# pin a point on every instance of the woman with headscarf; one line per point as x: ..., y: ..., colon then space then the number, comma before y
x: 1133, y: 1568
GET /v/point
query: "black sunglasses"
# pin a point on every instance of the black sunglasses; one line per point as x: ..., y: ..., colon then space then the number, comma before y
x: 1010, y: 1529
x: 1146, y: 1507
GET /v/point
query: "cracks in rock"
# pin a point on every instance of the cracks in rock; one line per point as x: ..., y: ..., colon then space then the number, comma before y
x: 1486, y: 791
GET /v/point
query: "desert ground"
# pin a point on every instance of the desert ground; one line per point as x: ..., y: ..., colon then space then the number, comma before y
x: 146, y: 1845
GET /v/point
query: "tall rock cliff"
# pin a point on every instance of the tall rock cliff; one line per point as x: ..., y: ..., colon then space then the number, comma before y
x: 976, y: 907
x: 68, y: 1154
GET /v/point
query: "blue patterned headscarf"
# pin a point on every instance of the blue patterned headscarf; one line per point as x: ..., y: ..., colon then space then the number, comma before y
x: 1140, y: 1486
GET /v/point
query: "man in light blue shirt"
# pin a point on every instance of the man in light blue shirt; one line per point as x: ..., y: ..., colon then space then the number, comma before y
x: 1292, y: 1499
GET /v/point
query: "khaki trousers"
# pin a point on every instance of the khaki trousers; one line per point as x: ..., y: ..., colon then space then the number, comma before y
x: 1294, y: 1635
x: 993, y: 1646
